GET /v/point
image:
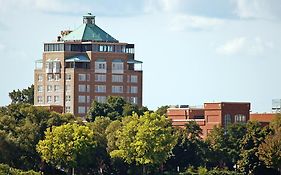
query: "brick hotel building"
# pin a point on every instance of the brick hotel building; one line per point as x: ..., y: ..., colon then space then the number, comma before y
x: 84, y: 65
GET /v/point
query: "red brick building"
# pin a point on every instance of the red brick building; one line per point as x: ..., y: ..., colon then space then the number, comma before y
x: 263, y: 118
x: 221, y: 113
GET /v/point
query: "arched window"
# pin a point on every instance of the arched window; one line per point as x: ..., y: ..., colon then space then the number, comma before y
x: 227, y: 120
x: 239, y: 118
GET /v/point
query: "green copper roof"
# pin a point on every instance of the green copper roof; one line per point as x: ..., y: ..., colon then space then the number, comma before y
x: 89, y: 32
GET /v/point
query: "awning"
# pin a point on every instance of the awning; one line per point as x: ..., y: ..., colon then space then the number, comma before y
x: 78, y: 58
x: 134, y: 62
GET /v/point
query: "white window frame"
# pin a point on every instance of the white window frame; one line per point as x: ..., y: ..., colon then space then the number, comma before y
x: 100, y: 88
x: 81, y: 99
x: 56, y: 88
x: 67, y: 98
x: 67, y: 109
x: 100, y: 77
x: 100, y: 99
x: 117, y: 78
x: 40, y: 88
x: 57, y: 77
x: 40, y: 99
x: 118, y: 67
x: 40, y: 77
x: 82, y: 77
x: 49, y: 99
x: 117, y: 89
x: 133, y: 89
x: 56, y: 99
x: 133, y: 78
x: 81, y: 109
x: 100, y: 67
x: 82, y: 88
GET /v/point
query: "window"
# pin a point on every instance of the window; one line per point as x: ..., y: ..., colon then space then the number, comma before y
x: 56, y: 66
x: 117, y: 89
x: 40, y: 88
x: 227, y: 120
x: 49, y: 99
x: 67, y: 109
x: 82, y: 77
x: 117, y: 67
x: 134, y: 89
x: 49, y: 77
x: 134, y: 79
x: 68, y: 98
x: 88, y: 77
x: 56, y: 88
x: 100, y: 67
x: 100, y: 88
x: 67, y: 88
x: 239, y: 118
x: 100, y: 77
x: 49, y: 88
x: 68, y: 77
x: 40, y: 77
x: 134, y: 100
x: 100, y: 99
x: 81, y: 99
x: 81, y: 109
x: 40, y: 99
x: 49, y: 67
x: 82, y: 88
x: 88, y: 88
x: 88, y: 99
x: 56, y: 99
x: 117, y: 78
x: 57, y: 77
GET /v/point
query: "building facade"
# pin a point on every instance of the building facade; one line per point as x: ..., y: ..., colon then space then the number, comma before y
x: 84, y: 65
x: 211, y: 115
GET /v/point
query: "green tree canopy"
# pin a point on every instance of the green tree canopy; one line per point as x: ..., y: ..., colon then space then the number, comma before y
x: 23, y: 96
x: 144, y: 140
x: 64, y: 145
x: 114, y: 108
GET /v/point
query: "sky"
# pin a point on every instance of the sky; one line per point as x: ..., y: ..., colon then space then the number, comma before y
x: 193, y: 51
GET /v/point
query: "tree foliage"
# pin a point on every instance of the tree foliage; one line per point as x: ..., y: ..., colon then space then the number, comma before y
x: 114, y: 108
x: 249, y: 163
x: 144, y: 140
x: 23, y: 96
x: 64, y: 145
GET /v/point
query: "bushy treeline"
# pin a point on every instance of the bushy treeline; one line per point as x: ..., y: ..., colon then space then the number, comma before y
x: 121, y: 138
x: 6, y: 170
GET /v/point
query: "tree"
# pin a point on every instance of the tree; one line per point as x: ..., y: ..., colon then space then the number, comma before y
x: 146, y: 140
x: 23, y: 96
x: 190, y: 149
x: 225, y: 144
x: 162, y: 110
x: 101, y: 158
x: 249, y: 162
x: 65, y: 146
x: 270, y: 150
x: 114, y: 108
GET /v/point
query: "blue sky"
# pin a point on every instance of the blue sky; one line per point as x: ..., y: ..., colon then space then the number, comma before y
x: 194, y: 51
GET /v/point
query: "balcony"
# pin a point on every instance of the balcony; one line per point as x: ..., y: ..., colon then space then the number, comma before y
x: 134, y: 65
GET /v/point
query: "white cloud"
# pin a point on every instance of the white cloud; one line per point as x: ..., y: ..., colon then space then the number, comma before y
x: 55, y: 6
x: 264, y: 9
x: 182, y: 22
x: 244, y: 46
x: 152, y: 6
